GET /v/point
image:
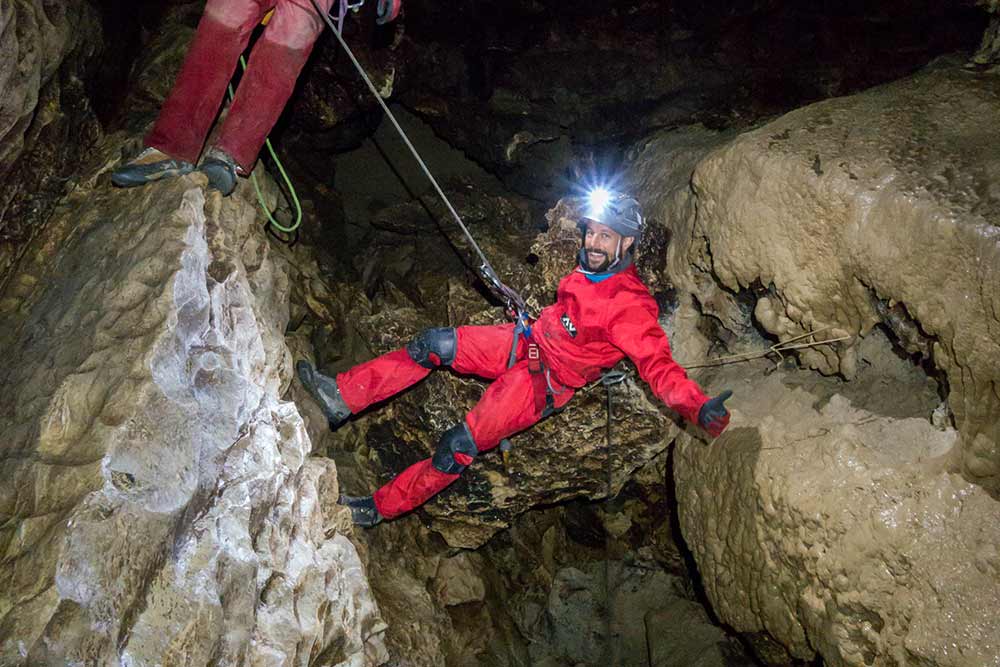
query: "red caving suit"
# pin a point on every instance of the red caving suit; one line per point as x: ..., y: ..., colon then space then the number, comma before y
x: 590, y: 327
x: 274, y: 65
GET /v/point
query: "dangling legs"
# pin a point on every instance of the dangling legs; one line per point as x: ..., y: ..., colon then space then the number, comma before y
x: 270, y: 77
x: 511, y: 404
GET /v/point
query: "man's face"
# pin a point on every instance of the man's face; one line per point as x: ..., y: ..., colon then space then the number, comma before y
x: 600, y: 243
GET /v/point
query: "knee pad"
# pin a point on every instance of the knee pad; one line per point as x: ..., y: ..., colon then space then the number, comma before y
x: 434, y: 347
x: 455, y: 446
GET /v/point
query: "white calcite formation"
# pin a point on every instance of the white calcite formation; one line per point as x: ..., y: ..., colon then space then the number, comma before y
x: 159, y: 501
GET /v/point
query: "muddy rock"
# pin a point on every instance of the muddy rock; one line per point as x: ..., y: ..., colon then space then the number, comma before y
x: 160, y: 499
x: 849, y: 213
x: 839, y: 532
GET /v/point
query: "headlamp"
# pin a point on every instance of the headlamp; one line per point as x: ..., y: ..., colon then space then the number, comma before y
x: 597, y: 201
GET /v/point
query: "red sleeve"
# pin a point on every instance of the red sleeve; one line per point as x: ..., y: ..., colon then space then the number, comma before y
x: 636, y: 332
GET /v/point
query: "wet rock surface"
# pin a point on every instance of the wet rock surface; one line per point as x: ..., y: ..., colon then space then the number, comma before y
x: 163, y: 501
x: 832, y: 521
x: 848, y: 213
x: 839, y: 532
x: 159, y: 499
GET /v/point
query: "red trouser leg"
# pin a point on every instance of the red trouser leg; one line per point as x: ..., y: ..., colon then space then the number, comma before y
x: 270, y: 77
x: 376, y: 380
x: 479, y: 351
x: 189, y: 110
x: 509, y: 405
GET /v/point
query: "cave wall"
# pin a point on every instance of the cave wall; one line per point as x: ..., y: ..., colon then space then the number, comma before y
x: 890, y: 195
x: 829, y: 526
x: 48, y: 52
x: 159, y: 501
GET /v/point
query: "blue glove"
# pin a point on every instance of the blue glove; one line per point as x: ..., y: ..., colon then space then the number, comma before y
x: 713, y: 416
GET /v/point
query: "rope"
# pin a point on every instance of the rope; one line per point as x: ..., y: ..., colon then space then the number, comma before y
x: 609, y: 379
x: 777, y: 348
x: 281, y: 169
x: 486, y: 269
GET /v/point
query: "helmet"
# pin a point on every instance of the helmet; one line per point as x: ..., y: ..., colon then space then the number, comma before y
x: 617, y: 210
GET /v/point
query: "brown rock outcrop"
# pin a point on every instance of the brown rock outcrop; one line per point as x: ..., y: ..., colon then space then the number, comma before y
x: 159, y: 501
x: 876, y: 208
x: 46, y: 124
x: 840, y: 527
x: 838, y: 532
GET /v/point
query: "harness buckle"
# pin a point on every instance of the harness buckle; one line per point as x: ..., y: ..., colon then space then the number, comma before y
x: 534, y: 358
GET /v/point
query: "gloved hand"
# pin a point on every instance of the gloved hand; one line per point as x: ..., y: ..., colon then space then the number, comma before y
x: 713, y: 416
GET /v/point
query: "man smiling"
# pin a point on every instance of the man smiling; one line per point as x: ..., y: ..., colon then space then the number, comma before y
x: 603, y: 313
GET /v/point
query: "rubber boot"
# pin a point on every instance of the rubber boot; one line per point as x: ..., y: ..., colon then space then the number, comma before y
x: 325, y: 391
x: 363, y: 510
x: 221, y: 171
x: 150, y: 165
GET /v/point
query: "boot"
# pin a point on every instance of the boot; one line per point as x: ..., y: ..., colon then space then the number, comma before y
x: 221, y: 171
x: 324, y: 390
x: 148, y: 166
x: 363, y: 510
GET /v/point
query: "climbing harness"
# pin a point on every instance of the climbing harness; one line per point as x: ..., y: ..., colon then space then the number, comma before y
x: 388, y: 10
x: 608, y: 379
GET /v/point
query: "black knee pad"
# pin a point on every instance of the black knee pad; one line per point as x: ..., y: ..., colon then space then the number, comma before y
x: 431, y: 344
x: 456, y: 439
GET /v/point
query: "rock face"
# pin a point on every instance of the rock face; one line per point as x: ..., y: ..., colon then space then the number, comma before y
x: 540, y: 91
x: 159, y: 502
x: 848, y: 213
x: 838, y: 527
x: 838, y: 532
x: 46, y: 124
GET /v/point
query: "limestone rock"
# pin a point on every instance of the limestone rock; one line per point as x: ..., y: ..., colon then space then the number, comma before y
x: 159, y: 502
x: 880, y: 207
x: 839, y: 532
x: 46, y: 125
x: 988, y: 54
x: 458, y: 582
x: 613, y: 614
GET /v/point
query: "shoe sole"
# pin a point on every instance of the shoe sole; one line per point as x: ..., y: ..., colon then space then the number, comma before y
x: 133, y: 180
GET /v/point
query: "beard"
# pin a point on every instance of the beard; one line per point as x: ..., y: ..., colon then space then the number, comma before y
x: 602, y: 264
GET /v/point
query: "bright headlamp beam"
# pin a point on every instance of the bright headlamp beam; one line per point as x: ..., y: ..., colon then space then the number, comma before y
x: 597, y: 200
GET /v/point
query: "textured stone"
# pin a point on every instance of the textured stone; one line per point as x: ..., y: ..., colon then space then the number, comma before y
x: 47, y: 48
x: 839, y: 532
x: 458, y: 582
x: 159, y: 503
x: 848, y: 213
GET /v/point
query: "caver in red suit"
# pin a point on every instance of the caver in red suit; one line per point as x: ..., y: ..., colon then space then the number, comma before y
x: 273, y: 67
x: 187, y: 115
x: 597, y: 319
